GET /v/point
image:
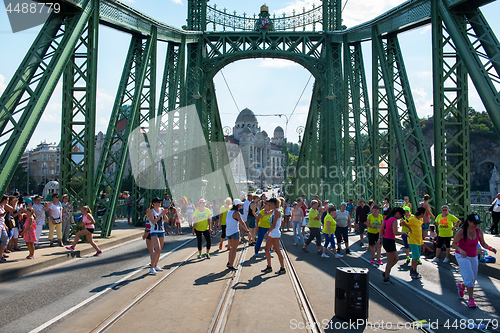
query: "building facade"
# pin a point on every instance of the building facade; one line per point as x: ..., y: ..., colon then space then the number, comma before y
x: 263, y: 158
x: 42, y: 162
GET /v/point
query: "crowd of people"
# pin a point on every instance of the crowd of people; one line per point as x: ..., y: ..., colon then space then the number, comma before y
x: 261, y: 219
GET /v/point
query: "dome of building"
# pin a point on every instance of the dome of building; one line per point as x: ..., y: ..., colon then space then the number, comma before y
x: 246, y: 116
x: 265, y: 134
x: 278, y: 132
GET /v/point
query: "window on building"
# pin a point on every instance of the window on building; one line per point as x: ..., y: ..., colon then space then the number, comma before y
x: 44, y: 157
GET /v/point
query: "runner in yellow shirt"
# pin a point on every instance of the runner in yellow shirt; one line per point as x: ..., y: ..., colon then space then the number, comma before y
x: 414, y: 225
x: 223, y: 213
x: 202, y: 217
x: 373, y: 223
x: 329, y: 231
x: 446, y: 223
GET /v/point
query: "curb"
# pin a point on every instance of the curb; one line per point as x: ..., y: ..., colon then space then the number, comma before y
x: 13, y: 273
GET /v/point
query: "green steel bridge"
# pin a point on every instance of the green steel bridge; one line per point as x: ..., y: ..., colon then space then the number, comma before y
x: 362, y: 153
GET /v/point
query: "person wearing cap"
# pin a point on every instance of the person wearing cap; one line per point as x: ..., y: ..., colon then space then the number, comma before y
x: 156, y: 216
x: 263, y: 222
x: 233, y: 223
x: 273, y: 235
x: 446, y: 223
x: 202, y: 227
x: 465, y: 245
x: 343, y: 219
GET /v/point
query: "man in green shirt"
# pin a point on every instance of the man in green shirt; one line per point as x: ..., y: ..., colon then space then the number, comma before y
x: 314, y: 226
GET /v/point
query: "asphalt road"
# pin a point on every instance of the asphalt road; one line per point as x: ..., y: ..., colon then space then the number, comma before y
x: 33, y: 299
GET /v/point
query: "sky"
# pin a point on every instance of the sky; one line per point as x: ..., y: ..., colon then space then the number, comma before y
x: 266, y: 86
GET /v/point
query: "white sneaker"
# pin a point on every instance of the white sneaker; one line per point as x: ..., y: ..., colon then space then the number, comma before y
x: 324, y: 255
x: 294, y: 244
x: 338, y: 256
x: 152, y: 271
x: 158, y: 269
x: 435, y: 260
x: 446, y: 260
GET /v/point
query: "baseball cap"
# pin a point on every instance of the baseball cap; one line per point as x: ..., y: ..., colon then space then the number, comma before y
x: 407, y: 208
x: 237, y: 202
x: 474, y: 218
x: 202, y: 200
x: 156, y: 199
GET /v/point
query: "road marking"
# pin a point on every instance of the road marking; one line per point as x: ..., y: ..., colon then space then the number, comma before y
x: 90, y: 299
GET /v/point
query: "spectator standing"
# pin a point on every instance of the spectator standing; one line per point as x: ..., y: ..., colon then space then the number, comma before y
x: 55, y: 210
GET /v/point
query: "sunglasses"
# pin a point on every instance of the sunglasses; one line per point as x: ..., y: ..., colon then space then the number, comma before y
x: 444, y: 210
x: 476, y: 222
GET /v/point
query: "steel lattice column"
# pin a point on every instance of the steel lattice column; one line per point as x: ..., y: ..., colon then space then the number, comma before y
x: 405, y: 121
x: 451, y: 121
x: 478, y: 48
x: 359, y: 119
x: 24, y: 100
x: 125, y: 111
x: 78, y: 116
x: 384, y: 144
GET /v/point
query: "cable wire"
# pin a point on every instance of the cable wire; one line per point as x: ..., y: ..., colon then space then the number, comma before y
x: 230, y: 92
x: 291, y: 114
x: 344, y: 6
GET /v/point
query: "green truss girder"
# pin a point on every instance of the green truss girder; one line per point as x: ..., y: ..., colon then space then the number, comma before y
x: 384, y: 142
x: 451, y: 120
x: 27, y: 94
x: 360, y: 121
x: 78, y: 116
x: 479, y: 50
x: 123, y: 117
x: 404, y: 120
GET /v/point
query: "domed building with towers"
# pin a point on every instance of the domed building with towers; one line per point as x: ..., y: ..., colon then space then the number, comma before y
x: 263, y: 156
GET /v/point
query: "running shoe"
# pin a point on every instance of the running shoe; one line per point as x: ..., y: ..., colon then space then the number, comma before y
x: 372, y: 261
x: 294, y: 243
x: 347, y: 251
x: 446, y: 260
x: 472, y: 304
x: 200, y: 256
x: 305, y: 250
x: 407, y: 259
x: 461, y: 290
x: 227, y: 265
x: 207, y: 255
x: 97, y: 253
x: 435, y: 259
x: 419, y: 262
x: 416, y: 275
x: 71, y: 248
x: 324, y: 255
x: 30, y: 257
x: 387, y: 281
x: 379, y: 262
x: 220, y: 246
x: 281, y: 271
x: 232, y: 269
x: 267, y: 270
x: 338, y: 256
x: 257, y: 255
x: 229, y: 248
x: 152, y: 271
x: 320, y: 251
x: 158, y: 269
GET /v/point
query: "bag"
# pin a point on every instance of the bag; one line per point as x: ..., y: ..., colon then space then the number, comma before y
x: 57, y: 220
x: 491, y: 208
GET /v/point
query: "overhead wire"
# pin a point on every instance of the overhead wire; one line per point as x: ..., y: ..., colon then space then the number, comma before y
x: 230, y: 92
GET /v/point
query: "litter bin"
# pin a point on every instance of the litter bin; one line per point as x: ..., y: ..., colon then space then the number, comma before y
x: 351, y: 293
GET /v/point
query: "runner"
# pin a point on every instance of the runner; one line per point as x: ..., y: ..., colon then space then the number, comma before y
x: 246, y: 207
x: 415, y: 241
x: 273, y: 235
x: 88, y: 224
x: 202, y: 227
x: 147, y: 235
x: 233, y: 222
x: 252, y: 216
x: 288, y: 213
x: 263, y: 224
x: 427, y: 220
x: 222, y: 214
x: 302, y: 206
x: 297, y: 220
x: 343, y: 219
x: 404, y: 228
x: 389, y: 230
x: 446, y: 224
x: 189, y: 213
x: 465, y: 244
x: 329, y: 231
x: 362, y: 212
x: 173, y: 219
x: 314, y: 226
x: 374, y: 221
x: 156, y: 216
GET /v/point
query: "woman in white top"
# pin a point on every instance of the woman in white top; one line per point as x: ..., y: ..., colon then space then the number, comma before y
x: 157, y: 232
x: 233, y: 222
x: 495, y: 215
x: 273, y: 237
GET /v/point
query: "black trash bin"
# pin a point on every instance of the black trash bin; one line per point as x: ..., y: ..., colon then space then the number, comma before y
x: 351, y: 293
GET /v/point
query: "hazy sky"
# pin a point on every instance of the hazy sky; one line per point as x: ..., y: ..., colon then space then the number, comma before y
x: 266, y: 86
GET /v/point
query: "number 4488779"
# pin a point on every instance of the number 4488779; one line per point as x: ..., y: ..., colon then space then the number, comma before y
x: 33, y: 8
